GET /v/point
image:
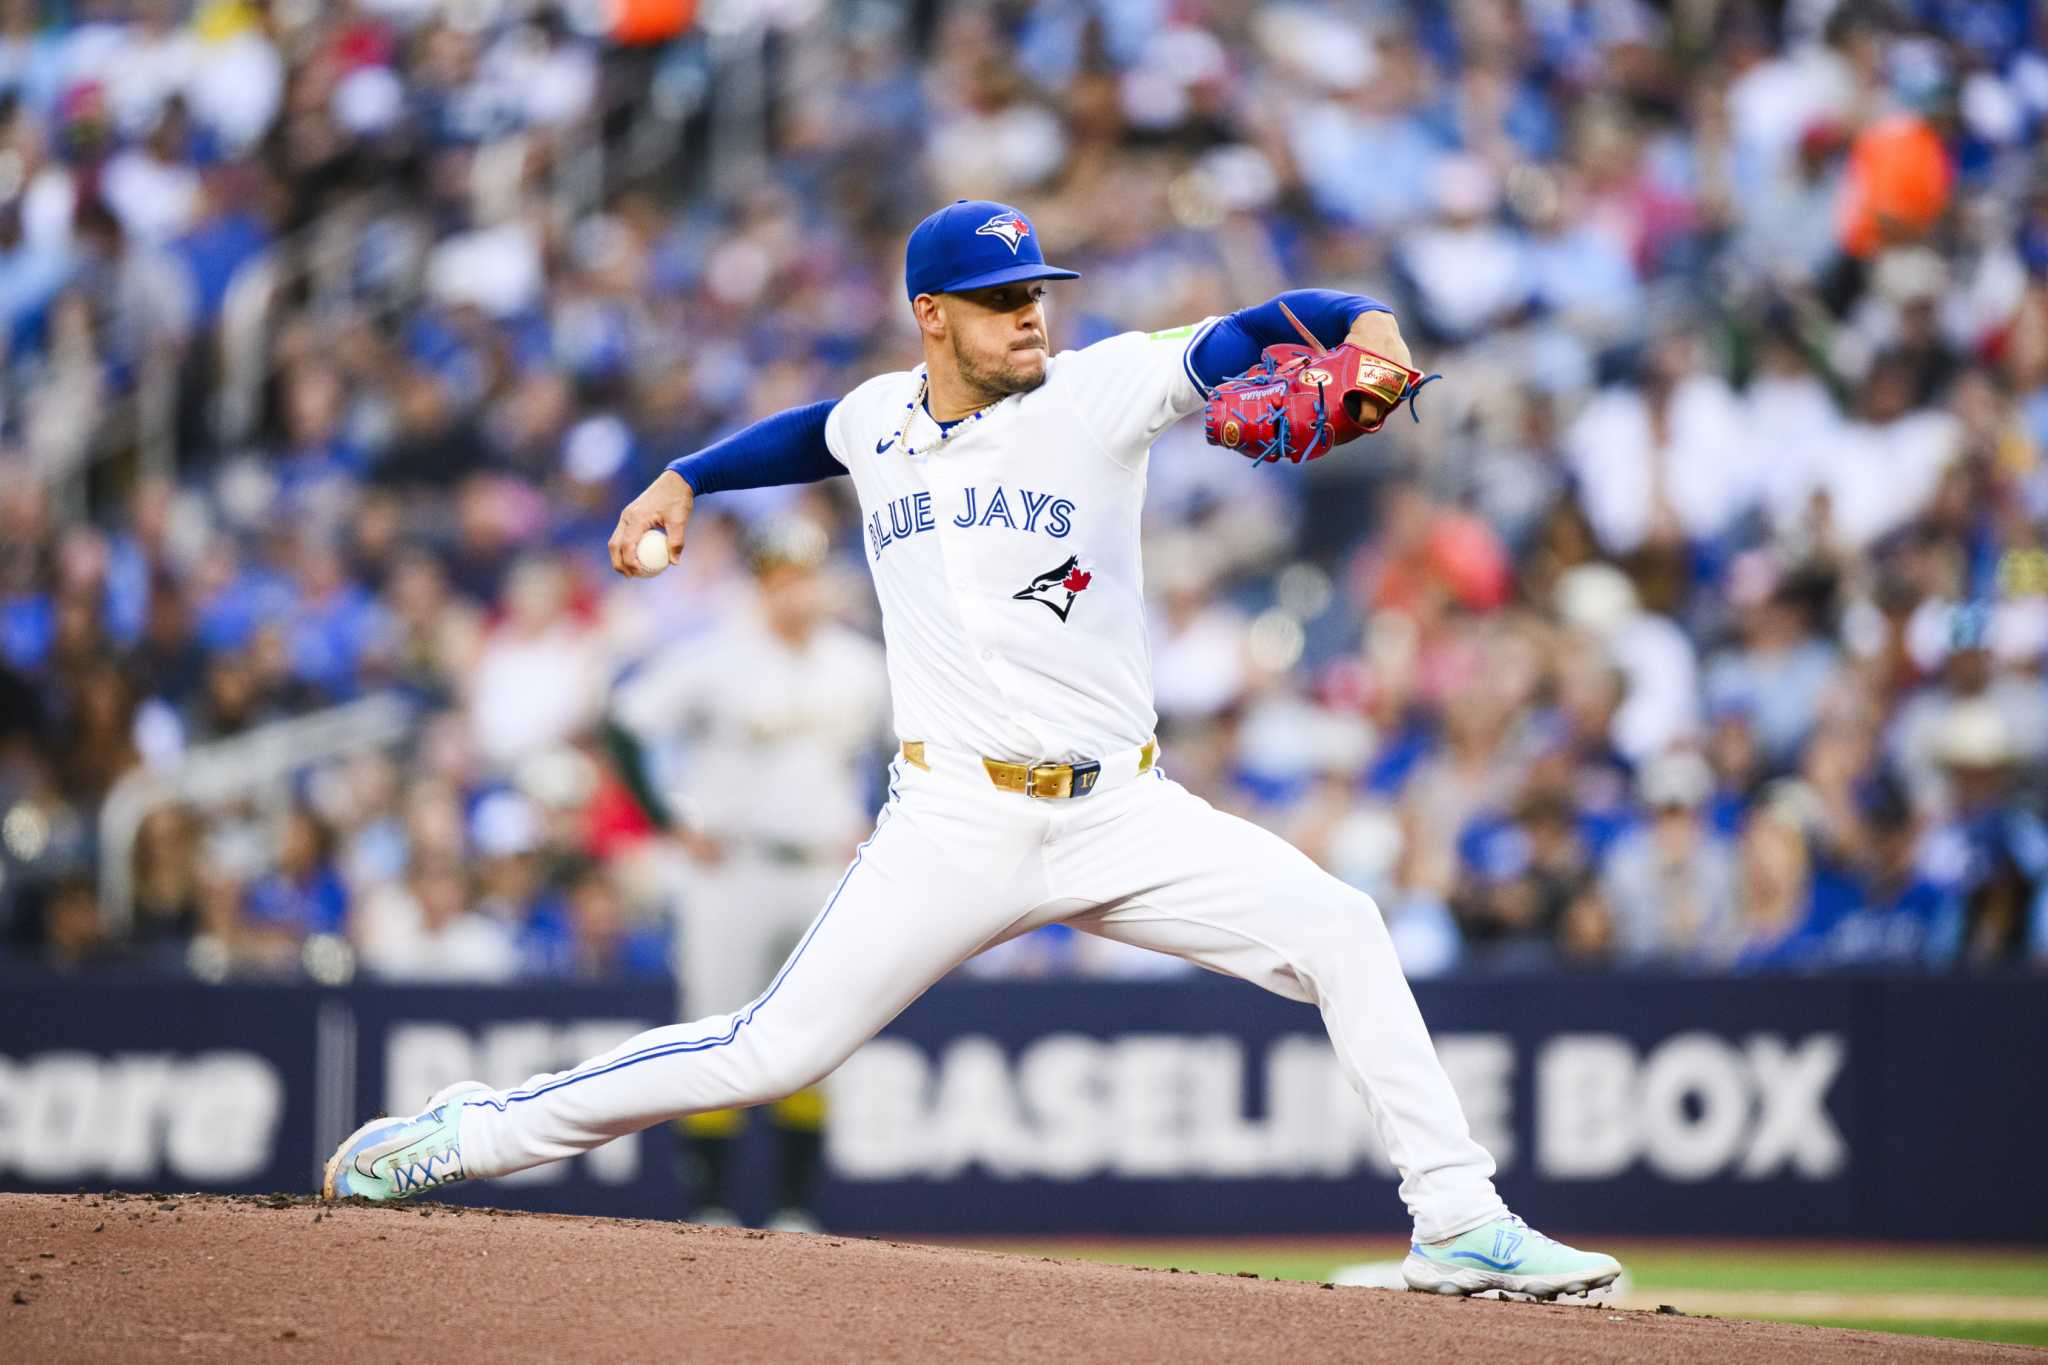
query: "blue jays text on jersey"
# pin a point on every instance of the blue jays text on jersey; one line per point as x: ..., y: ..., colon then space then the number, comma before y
x: 1028, y: 510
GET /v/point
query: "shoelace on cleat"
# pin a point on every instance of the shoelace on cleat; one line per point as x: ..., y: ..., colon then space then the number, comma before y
x: 1515, y: 1219
x: 419, y: 1173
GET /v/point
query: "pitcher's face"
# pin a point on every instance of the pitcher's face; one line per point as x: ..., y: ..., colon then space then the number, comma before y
x: 997, y: 337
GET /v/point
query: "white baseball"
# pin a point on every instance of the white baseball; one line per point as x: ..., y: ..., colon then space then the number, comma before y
x: 652, y: 551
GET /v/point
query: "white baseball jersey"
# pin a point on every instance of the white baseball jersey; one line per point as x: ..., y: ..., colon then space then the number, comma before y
x: 1006, y: 559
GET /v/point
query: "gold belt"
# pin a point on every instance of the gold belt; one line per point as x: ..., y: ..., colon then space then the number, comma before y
x: 1045, y: 781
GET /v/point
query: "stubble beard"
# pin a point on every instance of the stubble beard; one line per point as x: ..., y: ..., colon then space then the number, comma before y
x: 997, y: 382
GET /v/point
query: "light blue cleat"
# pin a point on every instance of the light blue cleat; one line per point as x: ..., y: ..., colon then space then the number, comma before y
x: 394, y: 1158
x: 1506, y: 1255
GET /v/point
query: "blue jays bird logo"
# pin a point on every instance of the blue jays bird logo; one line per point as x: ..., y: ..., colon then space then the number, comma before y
x: 1055, y: 589
x: 1011, y: 227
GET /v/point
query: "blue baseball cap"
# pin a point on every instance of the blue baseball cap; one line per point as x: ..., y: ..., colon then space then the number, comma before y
x: 975, y: 244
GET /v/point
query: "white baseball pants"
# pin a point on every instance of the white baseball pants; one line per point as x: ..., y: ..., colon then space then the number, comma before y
x: 956, y: 865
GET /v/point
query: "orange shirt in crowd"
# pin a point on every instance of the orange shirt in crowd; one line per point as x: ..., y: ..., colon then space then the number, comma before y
x: 1898, y: 184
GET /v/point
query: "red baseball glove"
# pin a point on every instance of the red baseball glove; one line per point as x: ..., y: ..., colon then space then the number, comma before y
x: 1301, y: 402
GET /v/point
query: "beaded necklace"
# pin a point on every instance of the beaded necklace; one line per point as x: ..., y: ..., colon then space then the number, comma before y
x: 947, y: 430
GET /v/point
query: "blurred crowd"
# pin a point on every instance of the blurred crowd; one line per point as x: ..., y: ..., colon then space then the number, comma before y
x: 1699, y: 625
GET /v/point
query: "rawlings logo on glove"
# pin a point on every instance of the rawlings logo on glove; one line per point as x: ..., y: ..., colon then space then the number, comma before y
x: 1301, y: 402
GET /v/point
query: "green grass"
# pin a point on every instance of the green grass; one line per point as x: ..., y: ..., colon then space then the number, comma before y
x: 1889, y: 1270
x: 1666, y: 1267
x: 2010, y: 1333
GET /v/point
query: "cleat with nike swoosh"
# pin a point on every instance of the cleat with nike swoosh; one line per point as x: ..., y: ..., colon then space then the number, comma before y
x: 392, y: 1158
x: 1507, y: 1255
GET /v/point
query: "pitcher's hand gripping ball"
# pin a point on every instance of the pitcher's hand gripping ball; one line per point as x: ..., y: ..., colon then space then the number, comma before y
x: 1301, y: 402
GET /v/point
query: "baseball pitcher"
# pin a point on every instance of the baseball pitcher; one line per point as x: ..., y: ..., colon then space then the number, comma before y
x: 1000, y: 487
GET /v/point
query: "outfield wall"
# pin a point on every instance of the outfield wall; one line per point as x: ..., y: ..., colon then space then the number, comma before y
x: 1822, y: 1108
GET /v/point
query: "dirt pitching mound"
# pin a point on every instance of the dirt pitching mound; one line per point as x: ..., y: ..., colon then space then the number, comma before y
x: 123, y: 1278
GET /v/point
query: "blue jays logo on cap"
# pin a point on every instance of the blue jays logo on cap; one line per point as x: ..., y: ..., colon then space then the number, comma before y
x: 974, y: 244
x: 1011, y: 227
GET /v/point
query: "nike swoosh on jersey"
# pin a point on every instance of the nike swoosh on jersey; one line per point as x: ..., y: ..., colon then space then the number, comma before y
x: 881, y: 446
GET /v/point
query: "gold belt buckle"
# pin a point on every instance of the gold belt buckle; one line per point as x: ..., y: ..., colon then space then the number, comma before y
x: 1056, y: 781
x: 1050, y: 781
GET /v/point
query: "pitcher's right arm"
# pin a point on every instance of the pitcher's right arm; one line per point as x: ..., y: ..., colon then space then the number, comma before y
x: 786, y: 448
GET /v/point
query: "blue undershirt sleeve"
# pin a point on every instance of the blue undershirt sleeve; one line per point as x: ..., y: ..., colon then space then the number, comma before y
x: 786, y: 448
x: 1233, y: 345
